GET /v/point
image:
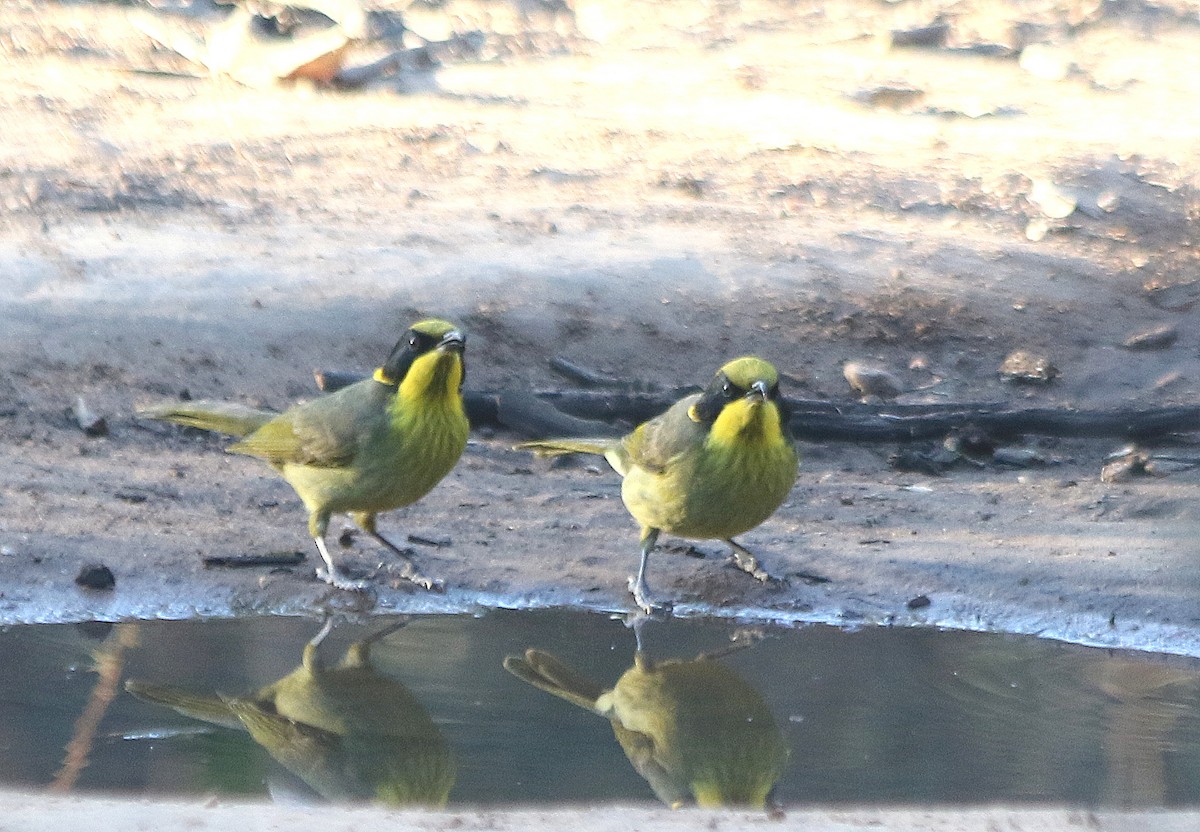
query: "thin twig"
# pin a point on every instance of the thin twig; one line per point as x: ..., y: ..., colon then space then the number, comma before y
x: 110, y: 662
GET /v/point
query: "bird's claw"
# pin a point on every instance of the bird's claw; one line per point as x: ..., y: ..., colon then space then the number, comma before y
x: 641, y: 597
x: 340, y: 581
x: 410, y: 575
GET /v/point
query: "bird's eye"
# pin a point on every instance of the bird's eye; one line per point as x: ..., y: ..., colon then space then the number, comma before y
x: 727, y: 389
x: 413, y: 341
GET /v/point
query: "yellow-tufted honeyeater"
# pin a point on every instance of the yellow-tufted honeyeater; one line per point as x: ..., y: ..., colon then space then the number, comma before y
x: 694, y: 729
x: 374, y: 446
x: 349, y: 732
x: 714, y: 465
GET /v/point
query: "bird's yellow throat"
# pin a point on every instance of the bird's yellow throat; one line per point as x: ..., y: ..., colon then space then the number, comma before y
x: 747, y: 422
x: 434, y: 380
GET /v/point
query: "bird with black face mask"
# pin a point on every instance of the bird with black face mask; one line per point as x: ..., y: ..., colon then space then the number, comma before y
x: 348, y: 731
x: 714, y: 465
x: 695, y: 730
x: 374, y: 446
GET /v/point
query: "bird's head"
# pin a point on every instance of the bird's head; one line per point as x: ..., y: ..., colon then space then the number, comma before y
x: 742, y: 402
x: 427, y: 361
x: 751, y: 788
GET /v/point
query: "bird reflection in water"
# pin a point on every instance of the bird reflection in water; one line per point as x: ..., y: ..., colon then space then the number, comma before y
x: 348, y: 732
x: 695, y: 730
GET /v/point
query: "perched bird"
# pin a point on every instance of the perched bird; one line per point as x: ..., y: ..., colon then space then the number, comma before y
x: 714, y: 465
x: 376, y: 445
x: 694, y: 729
x: 347, y: 731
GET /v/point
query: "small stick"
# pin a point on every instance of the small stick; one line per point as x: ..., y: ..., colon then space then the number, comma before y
x: 240, y: 561
x: 581, y: 375
x: 110, y: 662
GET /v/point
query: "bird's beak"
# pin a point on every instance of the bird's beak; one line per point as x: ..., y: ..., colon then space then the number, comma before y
x: 758, y: 391
x: 452, y: 341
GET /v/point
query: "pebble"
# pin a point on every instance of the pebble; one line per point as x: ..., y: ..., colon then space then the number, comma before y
x: 89, y: 422
x: 1158, y: 338
x: 1041, y: 60
x: 932, y: 35
x: 919, y: 603
x: 96, y: 576
x: 1025, y: 367
x: 1054, y: 202
x: 1174, y: 297
x: 867, y: 380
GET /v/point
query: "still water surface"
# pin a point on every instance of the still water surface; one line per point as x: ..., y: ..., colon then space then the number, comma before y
x: 875, y: 715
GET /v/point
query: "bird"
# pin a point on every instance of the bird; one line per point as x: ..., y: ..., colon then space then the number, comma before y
x: 347, y: 731
x: 695, y: 730
x: 376, y: 445
x: 714, y: 465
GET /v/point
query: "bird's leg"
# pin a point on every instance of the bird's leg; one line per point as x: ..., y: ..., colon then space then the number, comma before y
x: 366, y: 522
x: 331, y: 575
x: 318, y: 523
x: 359, y: 653
x: 774, y: 806
x: 636, y: 621
x: 312, y: 661
x: 745, y: 560
x: 638, y: 585
x: 400, y: 623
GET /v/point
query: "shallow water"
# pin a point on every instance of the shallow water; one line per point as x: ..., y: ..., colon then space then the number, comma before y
x: 875, y: 715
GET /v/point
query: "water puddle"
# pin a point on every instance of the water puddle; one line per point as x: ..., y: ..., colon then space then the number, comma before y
x: 821, y: 715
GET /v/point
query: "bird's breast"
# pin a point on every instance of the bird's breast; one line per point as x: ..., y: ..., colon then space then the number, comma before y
x: 400, y: 459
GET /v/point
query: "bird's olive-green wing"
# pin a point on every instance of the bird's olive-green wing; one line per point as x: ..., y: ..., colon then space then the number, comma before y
x: 326, y: 432
x: 655, y: 443
x: 643, y: 755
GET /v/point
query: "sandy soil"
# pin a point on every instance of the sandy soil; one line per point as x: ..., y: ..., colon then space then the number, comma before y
x: 648, y: 190
x: 37, y: 813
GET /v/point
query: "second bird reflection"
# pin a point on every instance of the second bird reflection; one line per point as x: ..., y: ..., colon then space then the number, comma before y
x: 347, y: 731
x: 695, y: 730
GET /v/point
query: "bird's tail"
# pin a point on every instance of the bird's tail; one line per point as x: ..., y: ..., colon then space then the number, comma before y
x: 200, y: 706
x: 547, y: 672
x: 222, y: 417
x: 558, y: 447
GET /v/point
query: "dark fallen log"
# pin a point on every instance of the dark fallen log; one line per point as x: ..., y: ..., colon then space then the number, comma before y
x: 530, y: 415
x: 608, y: 413
x: 893, y: 423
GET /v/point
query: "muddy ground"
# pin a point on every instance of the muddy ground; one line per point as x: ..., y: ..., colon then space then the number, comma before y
x: 647, y: 190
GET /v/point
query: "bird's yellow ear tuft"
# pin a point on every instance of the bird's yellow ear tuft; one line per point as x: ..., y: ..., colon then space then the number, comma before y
x: 744, y: 371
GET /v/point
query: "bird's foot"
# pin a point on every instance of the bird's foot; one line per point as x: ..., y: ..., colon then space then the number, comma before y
x: 410, y: 574
x: 744, y: 560
x: 340, y: 581
x: 641, y: 597
x: 749, y: 564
